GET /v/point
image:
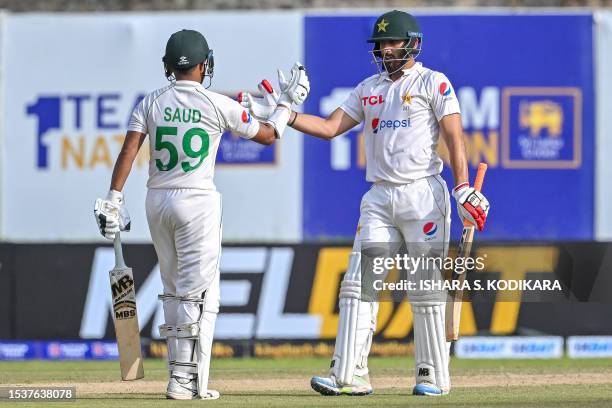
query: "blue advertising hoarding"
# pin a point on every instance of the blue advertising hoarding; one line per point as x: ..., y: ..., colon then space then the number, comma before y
x: 525, y: 85
x: 234, y: 149
x: 59, y: 350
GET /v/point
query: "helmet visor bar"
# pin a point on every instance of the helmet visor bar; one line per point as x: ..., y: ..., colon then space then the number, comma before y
x: 412, y: 47
x: 210, y: 68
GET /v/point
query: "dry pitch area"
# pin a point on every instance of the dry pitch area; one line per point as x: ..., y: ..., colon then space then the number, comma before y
x: 281, y: 383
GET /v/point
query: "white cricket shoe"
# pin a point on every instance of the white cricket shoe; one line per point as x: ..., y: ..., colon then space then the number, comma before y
x: 328, y: 386
x: 187, y: 389
x: 429, y: 389
x: 211, y: 395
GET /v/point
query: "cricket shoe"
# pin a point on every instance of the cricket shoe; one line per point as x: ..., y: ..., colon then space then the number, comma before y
x: 210, y: 395
x: 329, y: 386
x: 429, y: 389
x: 187, y: 389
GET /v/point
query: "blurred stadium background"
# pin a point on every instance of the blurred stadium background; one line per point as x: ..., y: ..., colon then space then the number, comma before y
x: 165, y: 5
x: 536, y: 96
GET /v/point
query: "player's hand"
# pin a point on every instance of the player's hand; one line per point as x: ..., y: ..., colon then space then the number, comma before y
x: 296, y: 89
x: 260, y: 108
x: 111, y: 214
x: 471, y: 205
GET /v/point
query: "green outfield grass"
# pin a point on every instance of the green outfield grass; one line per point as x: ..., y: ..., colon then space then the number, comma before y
x: 285, y: 383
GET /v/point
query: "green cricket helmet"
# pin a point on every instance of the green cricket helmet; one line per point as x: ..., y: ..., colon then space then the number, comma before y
x: 186, y: 49
x: 397, y: 25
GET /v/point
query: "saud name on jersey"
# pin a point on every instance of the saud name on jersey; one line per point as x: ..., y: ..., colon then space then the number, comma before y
x: 182, y: 115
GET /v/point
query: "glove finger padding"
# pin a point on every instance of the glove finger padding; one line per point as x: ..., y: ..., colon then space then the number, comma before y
x: 303, y: 84
x: 293, y: 91
x: 269, y: 93
x: 303, y: 89
x: 257, y: 107
x: 125, y: 222
x: 244, y: 99
x: 484, y: 203
x: 296, y: 89
x: 111, y: 215
x: 107, y: 217
x: 299, y: 86
x: 282, y: 82
x: 472, y: 205
x: 287, y: 88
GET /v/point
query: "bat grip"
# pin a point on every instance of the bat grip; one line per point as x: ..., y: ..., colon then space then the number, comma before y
x: 119, y: 262
x: 480, y: 173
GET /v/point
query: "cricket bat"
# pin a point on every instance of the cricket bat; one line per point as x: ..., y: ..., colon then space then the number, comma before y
x: 125, y: 317
x: 455, y: 297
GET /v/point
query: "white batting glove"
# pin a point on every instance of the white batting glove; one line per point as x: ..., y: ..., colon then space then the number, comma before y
x: 295, y: 90
x: 471, y: 205
x: 111, y: 214
x: 260, y: 108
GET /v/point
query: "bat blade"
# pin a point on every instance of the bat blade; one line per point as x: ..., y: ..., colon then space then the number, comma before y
x: 125, y: 317
x: 455, y: 297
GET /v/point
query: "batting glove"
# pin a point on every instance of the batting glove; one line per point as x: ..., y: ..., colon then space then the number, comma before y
x: 296, y: 89
x: 471, y: 205
x: 111, y: 214
x: 260, y: 108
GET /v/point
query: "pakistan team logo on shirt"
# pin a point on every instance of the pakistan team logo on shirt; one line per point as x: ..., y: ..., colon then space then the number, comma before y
x: 406, y: 101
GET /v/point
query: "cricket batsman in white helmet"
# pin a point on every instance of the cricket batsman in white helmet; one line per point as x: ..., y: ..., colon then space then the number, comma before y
x: 185, y: 122
x: 404, y: 108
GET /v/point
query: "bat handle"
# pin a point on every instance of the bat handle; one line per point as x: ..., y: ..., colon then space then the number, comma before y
x: 480, y: 173
x: 119, y: 262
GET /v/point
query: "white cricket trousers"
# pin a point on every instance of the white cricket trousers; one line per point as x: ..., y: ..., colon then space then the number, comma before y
x: 416, y: 214
x: 185, y: 226
x: 412, y: 213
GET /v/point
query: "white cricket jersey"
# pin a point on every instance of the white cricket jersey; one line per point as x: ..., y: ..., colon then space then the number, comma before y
x: 185, y: 122
x: 401, y: 122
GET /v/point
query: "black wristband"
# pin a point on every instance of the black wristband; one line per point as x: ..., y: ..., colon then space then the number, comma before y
x: 293, y: 121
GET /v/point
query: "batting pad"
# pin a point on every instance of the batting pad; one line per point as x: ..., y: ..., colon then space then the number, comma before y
x: 356, y: 325
x: 431, y: 350
x: 194, y: 337
x: 168, y: 330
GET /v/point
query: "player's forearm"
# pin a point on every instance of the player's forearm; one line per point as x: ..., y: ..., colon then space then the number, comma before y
x: 122, y: 169
x: 458, y: 162
x: 266, y: 134
x: 453, y: 136
x: 312, y: 125
x: 123, y: 165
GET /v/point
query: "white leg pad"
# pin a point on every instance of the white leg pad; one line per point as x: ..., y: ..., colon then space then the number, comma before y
x: 169, y: 333
x: 356, y: 325
x: 168, y: 330
x: 194, y: 340
x: 343, y: 363
x: 368, y: 311
x: 431, y: 348
x: 207, y: 329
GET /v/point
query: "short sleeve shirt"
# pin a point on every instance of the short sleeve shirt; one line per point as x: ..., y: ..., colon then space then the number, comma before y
x: 185, y: 123
x: 401, y: 122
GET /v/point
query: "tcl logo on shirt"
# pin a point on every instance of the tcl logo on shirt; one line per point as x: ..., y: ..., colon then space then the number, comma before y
x: 378, y: 124
x: 372, y: 100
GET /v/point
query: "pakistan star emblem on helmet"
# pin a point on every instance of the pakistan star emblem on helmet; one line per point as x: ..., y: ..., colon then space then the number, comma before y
x: 183, y: 60
x: 382, y: 26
